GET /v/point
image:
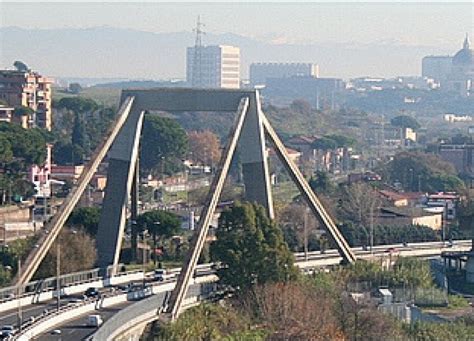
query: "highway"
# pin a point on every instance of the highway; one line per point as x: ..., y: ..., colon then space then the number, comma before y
x: 75, y: 329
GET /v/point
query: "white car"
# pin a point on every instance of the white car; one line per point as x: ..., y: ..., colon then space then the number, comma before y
x: 7, y: 330
x: 94, y: 320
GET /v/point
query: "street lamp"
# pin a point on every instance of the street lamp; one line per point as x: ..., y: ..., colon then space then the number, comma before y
x: 157, y: 224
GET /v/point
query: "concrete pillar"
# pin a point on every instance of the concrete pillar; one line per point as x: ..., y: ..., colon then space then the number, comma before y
x: 470, y: 269
x: 120, y: 175
x: 253, y: 156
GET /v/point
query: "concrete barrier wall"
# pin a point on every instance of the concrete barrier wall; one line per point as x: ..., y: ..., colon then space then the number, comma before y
x: 69, y: 290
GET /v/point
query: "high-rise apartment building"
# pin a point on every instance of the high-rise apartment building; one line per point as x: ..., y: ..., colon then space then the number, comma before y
x: 260, y: 72
x: 213, y: 66
x: 28, y: 89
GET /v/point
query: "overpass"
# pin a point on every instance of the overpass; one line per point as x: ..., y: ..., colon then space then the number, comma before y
x: 73, y: 315
x: 249, y: 132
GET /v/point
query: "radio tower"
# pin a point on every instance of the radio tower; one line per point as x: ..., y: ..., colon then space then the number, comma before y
x: 197, y: 62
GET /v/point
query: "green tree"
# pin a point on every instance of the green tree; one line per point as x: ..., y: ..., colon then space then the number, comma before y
x: 321, y: 183
x: 251, y: 248
x: 77, y: 104
x: 324, y: 143
x: 23, y: 111
x: 75, y: 88
x: 342, y: 141
x: 427, y: 172
x: 6, y: 152
x: 86, y: 218
x: 77, y: 253
x: 163, y: 143
x: 404, y: 121
x: 79, y: 137
x: 65, y: 153
x: 20, y: 66
x: 161, y: 224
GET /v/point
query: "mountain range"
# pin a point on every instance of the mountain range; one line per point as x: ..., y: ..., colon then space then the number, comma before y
x: 108, y: 52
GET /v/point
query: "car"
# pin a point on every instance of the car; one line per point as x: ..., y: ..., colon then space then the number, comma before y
x: 56, y: 332
x: 159, y: 275
x: 92, y: 292
x: 392, y: 250
x: 94, y: 320
x: 7, y: 330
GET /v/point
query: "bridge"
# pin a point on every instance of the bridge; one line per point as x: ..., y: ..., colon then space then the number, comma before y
x: 119, y: 307
x: 249, y: 133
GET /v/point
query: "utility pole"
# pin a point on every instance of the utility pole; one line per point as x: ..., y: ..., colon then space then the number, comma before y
x: 19, y: 293
x: 58, y: 275
x: 305, y: 233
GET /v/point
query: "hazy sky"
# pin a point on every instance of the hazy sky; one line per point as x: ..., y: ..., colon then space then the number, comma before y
x: 428, y: 24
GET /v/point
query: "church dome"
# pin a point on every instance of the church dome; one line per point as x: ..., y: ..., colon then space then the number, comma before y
x: 465, y: 56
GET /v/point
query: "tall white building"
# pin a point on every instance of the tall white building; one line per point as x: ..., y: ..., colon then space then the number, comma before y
x: 260, y: 72
x: 213, y: 67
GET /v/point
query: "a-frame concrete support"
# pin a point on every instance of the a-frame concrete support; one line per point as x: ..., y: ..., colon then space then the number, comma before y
x: 124, y: 151
x: 121, y: 175
x: 179, y: 293
x: 36, y: 256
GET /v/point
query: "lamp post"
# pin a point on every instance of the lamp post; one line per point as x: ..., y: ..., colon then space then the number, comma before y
x: 143, y: 253
x: 305, y: 233
x: 58, y: 274
x: 19, y: 293
x: 157, y: 224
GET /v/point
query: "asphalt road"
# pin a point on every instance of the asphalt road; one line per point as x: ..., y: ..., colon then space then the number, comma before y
x: 77, y: 329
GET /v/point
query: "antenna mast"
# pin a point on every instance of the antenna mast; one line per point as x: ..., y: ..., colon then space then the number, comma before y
x: 197, y: 62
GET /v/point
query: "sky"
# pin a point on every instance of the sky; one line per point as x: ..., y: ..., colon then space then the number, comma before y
x: 372, y: 38
x: 406, y: 22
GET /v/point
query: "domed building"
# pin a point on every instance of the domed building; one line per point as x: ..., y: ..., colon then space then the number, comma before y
x: 461, y: 78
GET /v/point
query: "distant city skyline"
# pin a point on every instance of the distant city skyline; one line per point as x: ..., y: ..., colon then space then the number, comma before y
x: 385, y: 39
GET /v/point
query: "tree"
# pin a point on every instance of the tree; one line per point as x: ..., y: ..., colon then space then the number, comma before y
x: 86, y: 218
x: 205, y: 147
x: 6, y: 153
x: 77, y: 251
x: 321, y: 183
x: 20, y: 66
x: 251, y: 248
x: 342, y: 141
x: 65, y: 153
x: 161, y: 224
x: 422, y: 171
x: 23, y: 111
x: 77, y: 104
x: 301, y: 106
x: 324, y: 143
x: 79, y: 136
x: 163, y: 143
x: 404, y: 121
x: 74, y: 88
x: 359, y: 204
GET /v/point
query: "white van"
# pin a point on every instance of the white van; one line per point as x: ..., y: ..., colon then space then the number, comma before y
x: 94, y: 320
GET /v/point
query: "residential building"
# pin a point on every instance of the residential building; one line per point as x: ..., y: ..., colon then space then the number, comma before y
x: 260, y: 72
x: 403, y: 216
x: 28, y: 89
x: 6, y: 113
x: 460, y: 155
x: 445, y: 202
x: 40, y: 176
x: 215, y: 66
